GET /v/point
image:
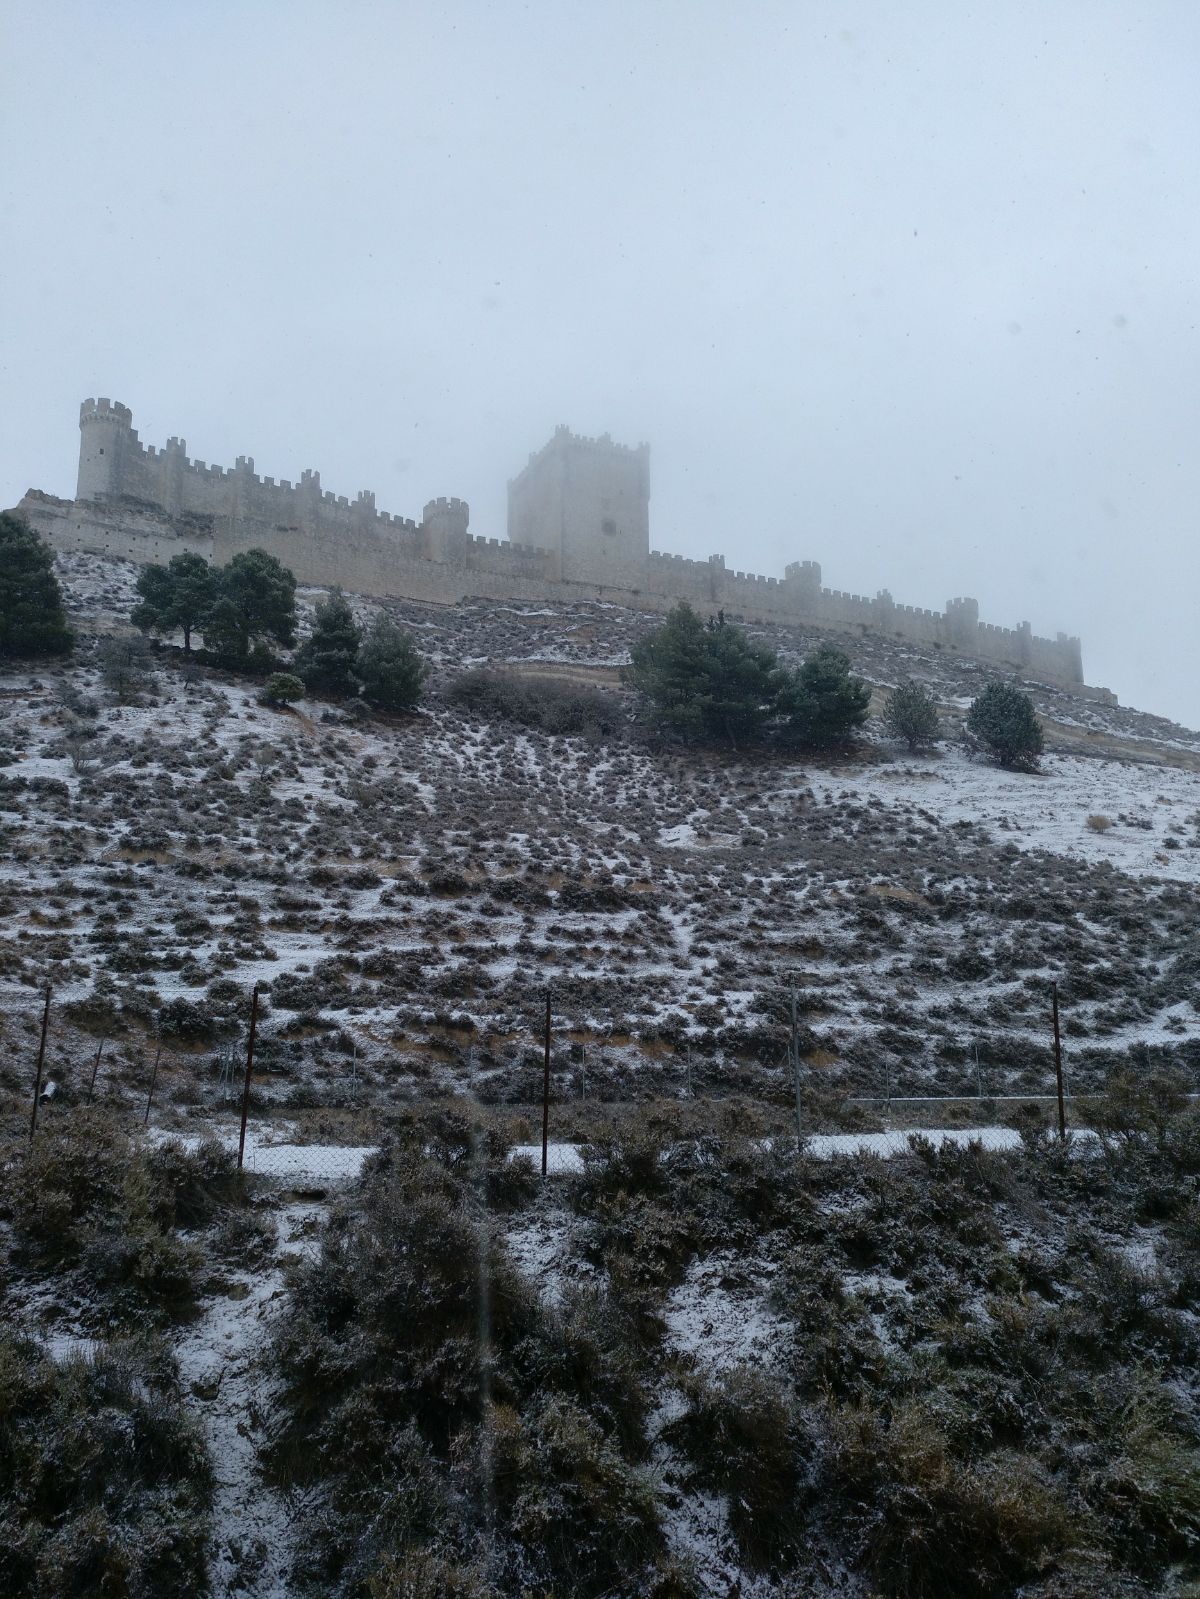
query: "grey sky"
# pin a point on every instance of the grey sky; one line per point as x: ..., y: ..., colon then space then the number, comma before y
x: 907, y: 289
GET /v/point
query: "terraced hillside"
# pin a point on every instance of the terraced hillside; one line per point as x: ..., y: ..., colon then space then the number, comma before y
x: 405, y: 892
x: 703, y: 1359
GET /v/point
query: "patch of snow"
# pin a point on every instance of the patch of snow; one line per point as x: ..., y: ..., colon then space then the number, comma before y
x: 720, y: 1323
x: 323, y: 1163
x: 219, y: 1365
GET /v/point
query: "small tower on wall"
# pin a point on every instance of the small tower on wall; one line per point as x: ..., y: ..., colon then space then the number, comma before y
x: 588, y: 502
x: 444, y: 524
x: 105, y: 434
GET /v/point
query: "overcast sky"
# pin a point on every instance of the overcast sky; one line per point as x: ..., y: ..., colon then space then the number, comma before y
x: 909, y: 289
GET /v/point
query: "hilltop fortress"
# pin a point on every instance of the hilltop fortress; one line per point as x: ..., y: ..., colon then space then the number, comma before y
x: 578, y: 528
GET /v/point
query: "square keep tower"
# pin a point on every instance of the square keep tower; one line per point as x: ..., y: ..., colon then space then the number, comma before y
x: 587, y: 501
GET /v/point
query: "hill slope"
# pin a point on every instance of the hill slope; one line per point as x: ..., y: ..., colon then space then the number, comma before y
x: 408, y: 891
x: 702, y: 1362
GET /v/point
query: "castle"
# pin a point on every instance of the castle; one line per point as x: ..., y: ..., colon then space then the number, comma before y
x: 578, y: 528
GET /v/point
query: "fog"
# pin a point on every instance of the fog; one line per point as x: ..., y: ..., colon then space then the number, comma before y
x: 909, y: 290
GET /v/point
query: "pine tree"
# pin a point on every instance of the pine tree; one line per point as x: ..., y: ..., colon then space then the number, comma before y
x: 703, y: 683
x: 125, y: 665
x: 910, y: 712
x: 739, y: 690
x: 255, y: 607
x: 325, y: 661
x: 32, y: 619
x: 1005, y: 723
x: 176, y: 597
x: 821, y: 703
x: 388, y: 666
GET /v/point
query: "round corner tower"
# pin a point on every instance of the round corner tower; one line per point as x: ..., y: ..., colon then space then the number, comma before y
x: 105, y: 435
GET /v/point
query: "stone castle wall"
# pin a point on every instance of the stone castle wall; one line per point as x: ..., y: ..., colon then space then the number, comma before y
x: 581, y: 504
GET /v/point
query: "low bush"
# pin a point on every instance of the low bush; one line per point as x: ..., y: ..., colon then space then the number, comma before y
x: 1005, y: 723
x: 282, y: 688
x: 426, y: 1393
x: 86, y: 1202
x: 742, y: 1437
x: 190, y: 1023
x: 910, y: 713
x: 932, y: 1522
x: 585, y: 1518
x: 105, y: 1481
x: 547, y: 703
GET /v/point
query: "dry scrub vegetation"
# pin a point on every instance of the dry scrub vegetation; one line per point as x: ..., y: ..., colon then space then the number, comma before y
x: 707, y: 1364
x: 404, y: 891
x: 966, y: 1374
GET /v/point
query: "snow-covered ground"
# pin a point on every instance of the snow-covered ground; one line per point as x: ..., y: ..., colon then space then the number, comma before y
x: 405, y: 893
x: 267, y: 1155
x: 1050, y: 811
x: 220, y: 1364
x: 567, y: 1160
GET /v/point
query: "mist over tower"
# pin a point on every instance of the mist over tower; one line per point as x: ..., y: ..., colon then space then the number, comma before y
x: 588, y: 502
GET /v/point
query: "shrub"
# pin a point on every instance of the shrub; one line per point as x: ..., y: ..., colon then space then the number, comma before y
x: 740, y: 1435
x: 85, y: 1200
x: 388, y: 666
x: 910, y: 713
x: 410, y: 1350
x: 105, y: 1480
x: 707, y: 684
x: 1147, y: 1489
x: 1003, y: 719
x: 124, y: 665
x: 821, y: 704
x: 391, y: 1308
x: 192, y: 1023
x: 281, y: 688
x: 32, y: 619
x: 586, y: 1519
x: 418, y: 1574
x: 645, y: 1246
x: 933, y: 1522
x: 555, y: 707
x: 326, y: 660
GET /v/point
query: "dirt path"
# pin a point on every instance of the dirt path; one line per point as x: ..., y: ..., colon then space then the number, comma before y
x: 219, y: 1361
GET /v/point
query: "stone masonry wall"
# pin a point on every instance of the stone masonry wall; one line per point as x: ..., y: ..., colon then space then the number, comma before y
x: 144, y: 504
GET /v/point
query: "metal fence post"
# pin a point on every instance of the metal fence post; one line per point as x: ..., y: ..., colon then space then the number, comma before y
x: 546, y: 1095
x: 153, y: 1080
x: 794, y: 1051
x: 1058, y: 1069
x: 249, y: 1068
x: 95, y: 1069
x: 41, y: 1057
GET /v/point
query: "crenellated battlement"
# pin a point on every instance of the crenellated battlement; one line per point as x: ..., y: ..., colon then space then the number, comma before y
x: 105, y: 411
x: 578, y: 527
x: 602, y: 441
x: 603, y: 448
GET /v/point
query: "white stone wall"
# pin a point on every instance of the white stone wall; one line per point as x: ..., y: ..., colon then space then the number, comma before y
x: 144, y: 504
